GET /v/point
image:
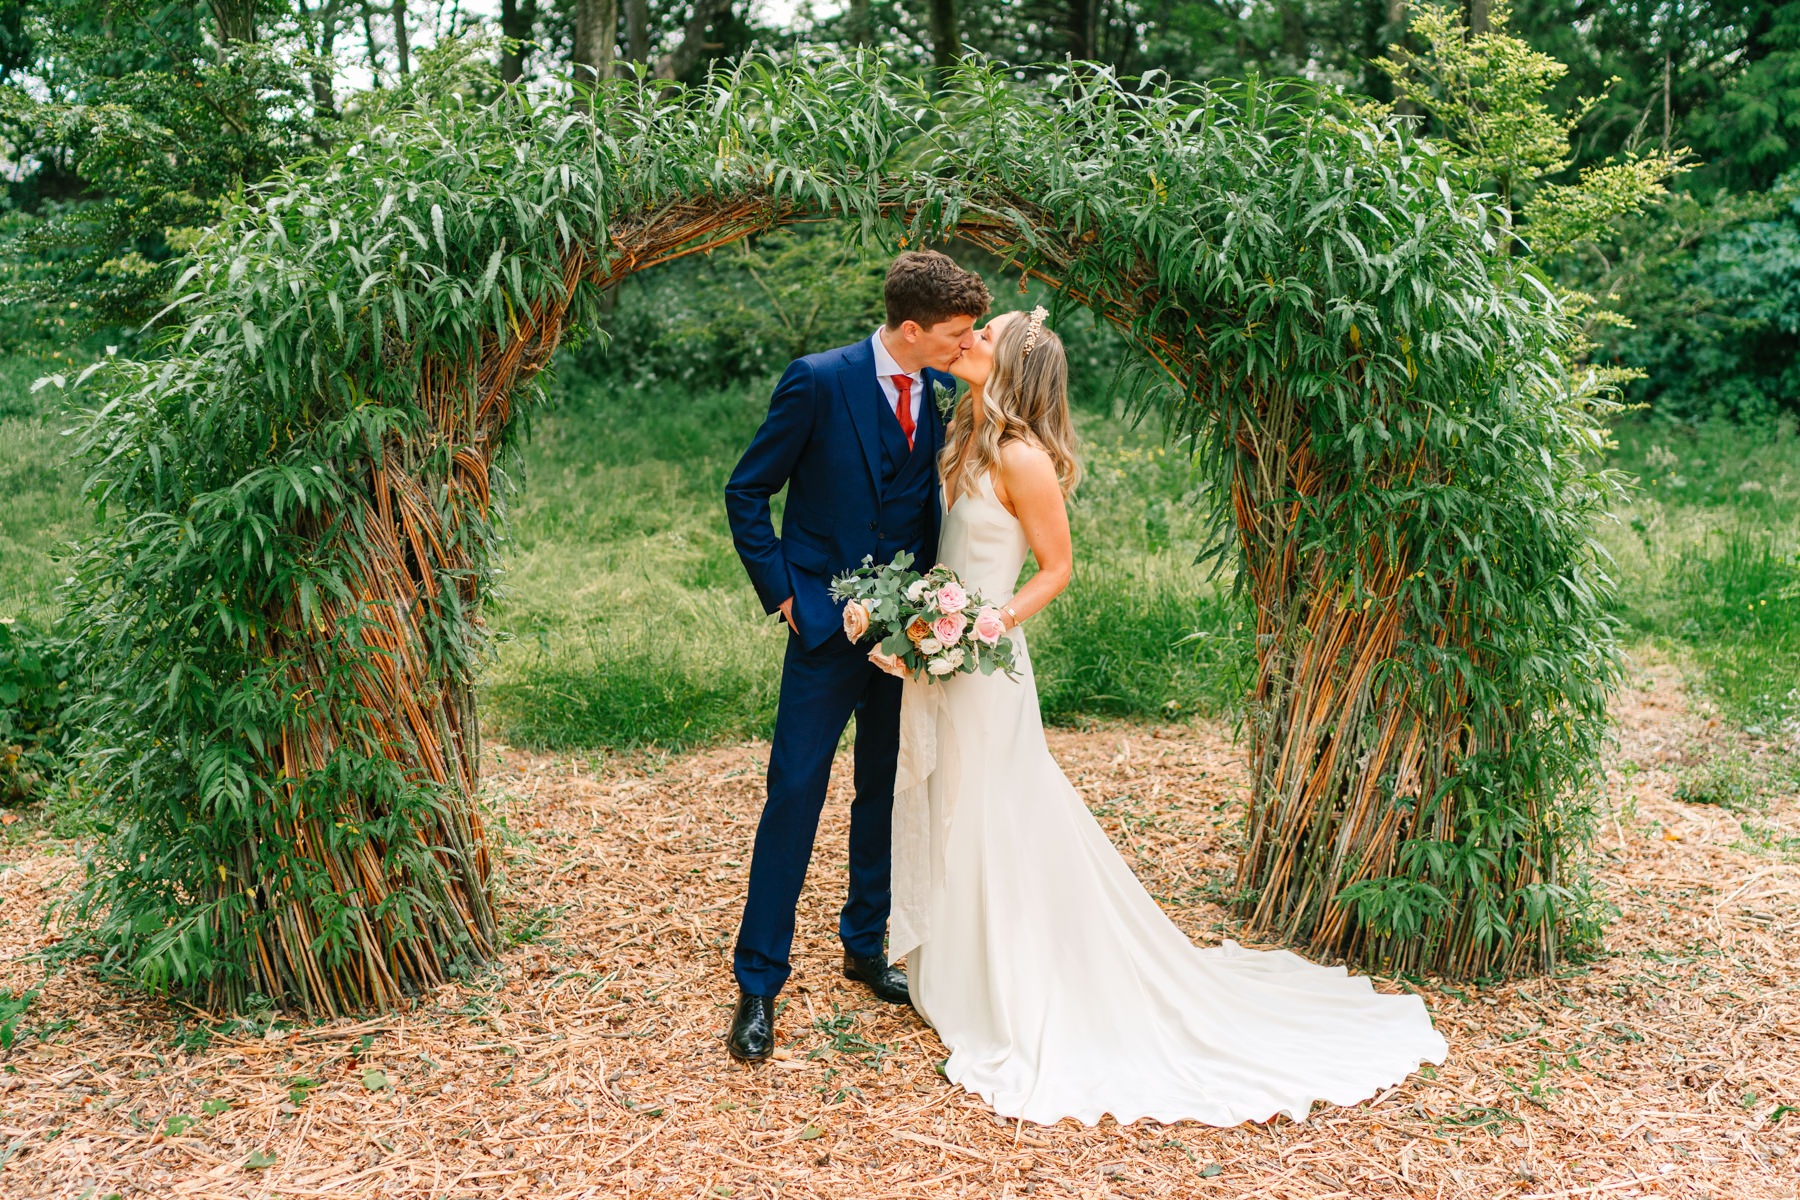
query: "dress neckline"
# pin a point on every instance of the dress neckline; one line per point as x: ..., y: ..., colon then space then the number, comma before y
x: 984, y: 484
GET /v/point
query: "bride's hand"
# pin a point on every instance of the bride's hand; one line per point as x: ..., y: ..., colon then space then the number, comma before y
x: 888, y: 662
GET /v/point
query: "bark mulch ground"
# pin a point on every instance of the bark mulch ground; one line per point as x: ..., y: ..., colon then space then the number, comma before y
x: 590, y: 1062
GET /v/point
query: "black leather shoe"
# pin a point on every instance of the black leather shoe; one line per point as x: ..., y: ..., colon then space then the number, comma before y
x: 752, y: 1028
x: 889, y: 983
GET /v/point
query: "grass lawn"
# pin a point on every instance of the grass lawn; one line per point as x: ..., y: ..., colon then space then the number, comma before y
x: 628, y: 618
x: 40, y: 494
x: 1708, y: 551
x: 625, y: 617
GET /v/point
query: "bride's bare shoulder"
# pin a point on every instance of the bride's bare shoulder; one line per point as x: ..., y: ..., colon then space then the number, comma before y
x: 1025, y: 466
x: 1025, y: 454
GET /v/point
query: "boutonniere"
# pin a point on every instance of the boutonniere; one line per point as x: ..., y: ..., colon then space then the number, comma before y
x: 944, y: 396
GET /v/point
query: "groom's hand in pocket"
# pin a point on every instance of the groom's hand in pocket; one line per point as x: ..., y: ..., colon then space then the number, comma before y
x: 787, y: 613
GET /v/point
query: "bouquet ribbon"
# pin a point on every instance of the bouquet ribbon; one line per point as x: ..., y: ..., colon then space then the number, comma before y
x: 919, y: 833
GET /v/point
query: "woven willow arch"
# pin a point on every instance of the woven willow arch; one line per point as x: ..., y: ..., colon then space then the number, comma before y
x: 301, y: 513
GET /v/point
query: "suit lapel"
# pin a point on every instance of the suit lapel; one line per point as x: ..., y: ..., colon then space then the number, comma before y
x: 862, y: 395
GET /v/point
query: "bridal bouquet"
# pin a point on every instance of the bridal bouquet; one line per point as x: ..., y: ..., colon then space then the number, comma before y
x: 931, y: 622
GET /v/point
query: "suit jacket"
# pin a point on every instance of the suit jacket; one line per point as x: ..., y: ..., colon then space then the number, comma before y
x: 822, y: 441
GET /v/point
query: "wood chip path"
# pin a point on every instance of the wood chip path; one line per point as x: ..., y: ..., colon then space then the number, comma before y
x: 590, y: 1061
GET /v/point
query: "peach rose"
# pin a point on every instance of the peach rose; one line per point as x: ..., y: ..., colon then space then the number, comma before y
x: 990, y: 625
x: 949, y: 629
x: 951, y: 599
x: 856, y: 620
x: 918, y: 630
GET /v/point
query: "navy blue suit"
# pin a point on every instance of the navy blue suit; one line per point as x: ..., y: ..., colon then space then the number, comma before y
x: 854, y: 488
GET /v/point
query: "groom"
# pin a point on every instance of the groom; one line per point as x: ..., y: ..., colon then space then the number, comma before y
x: 853, y: 435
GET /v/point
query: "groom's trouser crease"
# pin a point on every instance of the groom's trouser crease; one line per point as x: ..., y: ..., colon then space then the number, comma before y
x: 820, y: 690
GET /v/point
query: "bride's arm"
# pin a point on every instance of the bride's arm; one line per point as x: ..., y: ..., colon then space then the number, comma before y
x: 1028, y: 488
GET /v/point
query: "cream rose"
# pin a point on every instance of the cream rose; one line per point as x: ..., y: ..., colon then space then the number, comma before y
x: 930, y: 646
x: 915, y: 594
x: 856, y: 620
x: 941, y: 666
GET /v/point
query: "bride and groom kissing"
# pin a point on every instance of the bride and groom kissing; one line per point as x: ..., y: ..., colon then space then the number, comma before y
x: 1057, y: 984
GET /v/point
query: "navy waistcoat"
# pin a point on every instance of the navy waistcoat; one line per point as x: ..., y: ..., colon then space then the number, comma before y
x: 908, y: 483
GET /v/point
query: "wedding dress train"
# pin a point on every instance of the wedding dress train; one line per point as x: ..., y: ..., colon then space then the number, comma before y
x: 1057, y: 983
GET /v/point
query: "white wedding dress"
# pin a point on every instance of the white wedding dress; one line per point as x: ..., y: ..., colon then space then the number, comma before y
x: 1058, y: 985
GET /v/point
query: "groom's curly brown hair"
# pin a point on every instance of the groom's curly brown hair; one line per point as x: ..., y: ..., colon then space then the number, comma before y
x: 928, y: 287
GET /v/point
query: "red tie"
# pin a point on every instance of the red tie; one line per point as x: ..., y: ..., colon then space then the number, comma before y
x: 904, y: 409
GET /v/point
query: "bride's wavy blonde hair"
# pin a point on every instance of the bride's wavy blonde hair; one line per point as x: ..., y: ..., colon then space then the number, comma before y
x: 1026, y: 399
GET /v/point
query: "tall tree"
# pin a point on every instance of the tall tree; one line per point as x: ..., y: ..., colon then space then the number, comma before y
x: 321, y: 22
x: 371, y: 47
x: 402, y: 41
x: 693, y: 45
x: 516, y: 20
x: 862, y: 23
x: 637, y: 30
x: 234, y: 20
x: 596, y: 32
x: 1079, y: 29
x: 945, y: 44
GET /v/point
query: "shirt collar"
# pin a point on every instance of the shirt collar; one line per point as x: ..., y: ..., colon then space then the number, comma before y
x: 885, y: 366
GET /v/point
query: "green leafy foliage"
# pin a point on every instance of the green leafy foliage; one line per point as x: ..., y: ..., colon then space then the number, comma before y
x: 35, y: 673
x: 743, y: 311
x: 1309, y: 279
x: 139, y: 124
x: 1716, y: 325
x: 13, y: 1007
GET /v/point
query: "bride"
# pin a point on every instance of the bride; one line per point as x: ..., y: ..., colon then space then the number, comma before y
x: 1058, y: 985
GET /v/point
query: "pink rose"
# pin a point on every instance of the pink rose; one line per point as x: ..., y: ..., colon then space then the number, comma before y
x: 951, y: 599
x: 856, y: 621
x: 989, y: 624
x: 949, y: 629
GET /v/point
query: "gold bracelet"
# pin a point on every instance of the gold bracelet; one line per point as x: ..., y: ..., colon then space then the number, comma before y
x: 1008, y: 610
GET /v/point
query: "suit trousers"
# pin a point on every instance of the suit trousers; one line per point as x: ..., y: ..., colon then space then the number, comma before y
x: 820, y: 689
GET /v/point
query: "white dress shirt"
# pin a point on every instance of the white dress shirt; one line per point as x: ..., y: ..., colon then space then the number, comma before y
x: 885, y: 370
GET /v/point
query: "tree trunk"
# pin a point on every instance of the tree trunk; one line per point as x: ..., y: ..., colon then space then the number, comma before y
x: 1079, y: 33
x: 1292, y: 16
x: 328, y: 14
x: 596, y: 31
x: 945, y: 43
x: 402, y: 47
x: 1479, y: 21
x: 369, y: 44
x: 862, y: 23
x: 516, y: 20
x: 687, y: 55
x: 1394, y: 34
x: 234, y: 20
x: 637, y: 30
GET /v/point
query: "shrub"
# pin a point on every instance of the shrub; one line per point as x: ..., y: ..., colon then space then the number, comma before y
x: 35, y: 669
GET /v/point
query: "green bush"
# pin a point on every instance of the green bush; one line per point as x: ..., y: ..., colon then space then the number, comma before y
x: 1714, y: 327
x: 35, y: 672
